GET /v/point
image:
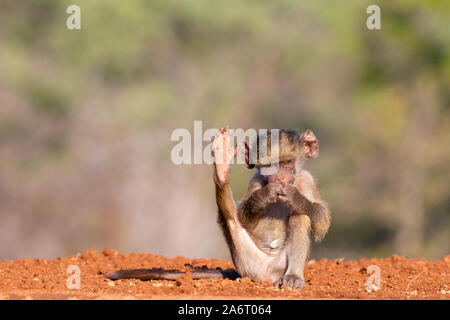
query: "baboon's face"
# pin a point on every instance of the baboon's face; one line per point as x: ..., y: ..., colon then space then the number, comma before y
x: 284, y: 174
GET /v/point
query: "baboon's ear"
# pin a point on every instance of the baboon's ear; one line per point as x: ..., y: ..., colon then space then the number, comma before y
x: 310, y: 144
x: 247, y: 163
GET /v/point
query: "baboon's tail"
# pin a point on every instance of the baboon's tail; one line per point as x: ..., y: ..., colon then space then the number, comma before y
x: 161, y: 274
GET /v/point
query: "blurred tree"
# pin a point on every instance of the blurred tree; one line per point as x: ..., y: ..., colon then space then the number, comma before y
x: 86, y: 117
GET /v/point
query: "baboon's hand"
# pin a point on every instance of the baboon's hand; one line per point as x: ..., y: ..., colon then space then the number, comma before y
x: 275, y: 190
x: 291, y: 196
x: 288, y: 193
x: 223, y: 152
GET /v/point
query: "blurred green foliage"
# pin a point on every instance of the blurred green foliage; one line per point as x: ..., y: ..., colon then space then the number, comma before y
x: 86, y: 117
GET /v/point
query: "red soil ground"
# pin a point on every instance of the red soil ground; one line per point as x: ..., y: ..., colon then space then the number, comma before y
x: 401, y: 278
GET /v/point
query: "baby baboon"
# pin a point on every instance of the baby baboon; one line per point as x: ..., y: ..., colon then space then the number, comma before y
x: 269, y: 231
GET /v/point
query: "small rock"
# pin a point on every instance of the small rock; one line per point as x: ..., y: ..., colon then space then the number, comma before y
x: 109, y: 252
x: 157, y: 284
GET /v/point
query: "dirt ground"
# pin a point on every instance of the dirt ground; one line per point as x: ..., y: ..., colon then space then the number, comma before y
x: 401, y: 278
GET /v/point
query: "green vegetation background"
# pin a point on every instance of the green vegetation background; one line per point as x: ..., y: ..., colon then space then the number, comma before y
x: 86, y: 117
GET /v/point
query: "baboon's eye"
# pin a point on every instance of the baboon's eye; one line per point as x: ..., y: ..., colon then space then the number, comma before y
x: 285, y: 163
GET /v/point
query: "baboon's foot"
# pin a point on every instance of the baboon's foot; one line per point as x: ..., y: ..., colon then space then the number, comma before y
x: 291, y: 280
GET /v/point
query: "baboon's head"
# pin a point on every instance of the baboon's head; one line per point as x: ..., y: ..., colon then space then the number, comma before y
x: 286, y: 150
